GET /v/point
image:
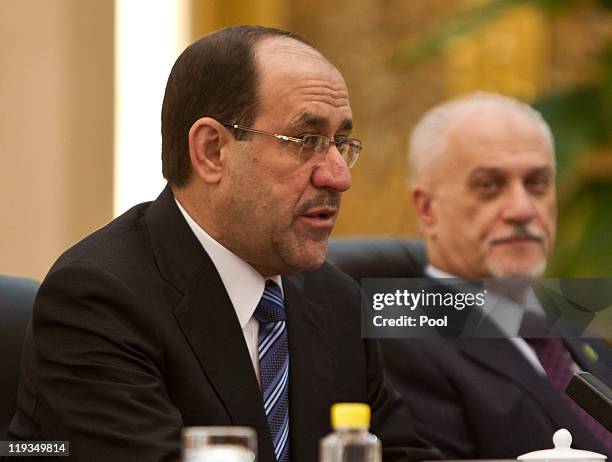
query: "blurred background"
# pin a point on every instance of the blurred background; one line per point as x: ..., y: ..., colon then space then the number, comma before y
x: 81, y: 86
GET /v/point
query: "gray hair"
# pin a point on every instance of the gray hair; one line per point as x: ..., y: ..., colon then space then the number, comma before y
x: 429, y: 138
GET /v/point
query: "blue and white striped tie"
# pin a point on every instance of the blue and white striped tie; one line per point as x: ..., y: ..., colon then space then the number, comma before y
x: 274, y: 366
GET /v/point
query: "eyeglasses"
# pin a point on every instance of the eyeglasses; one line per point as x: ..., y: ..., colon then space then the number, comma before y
x: 311, y: 144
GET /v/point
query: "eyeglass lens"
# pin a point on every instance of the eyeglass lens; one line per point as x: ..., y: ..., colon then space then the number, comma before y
x: 318, y: 143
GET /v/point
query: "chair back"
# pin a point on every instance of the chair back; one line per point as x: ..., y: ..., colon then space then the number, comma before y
x: 378, y: 257
x: 16, y: 300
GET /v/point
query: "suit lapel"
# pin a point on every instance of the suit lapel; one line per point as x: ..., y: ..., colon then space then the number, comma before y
x: 206, y: 316
x: 310, y: 370
x: 499, y: 355
x: 503, y: 358
x: 591, y: 356
x: 590, y: 353
x: 208, y: 320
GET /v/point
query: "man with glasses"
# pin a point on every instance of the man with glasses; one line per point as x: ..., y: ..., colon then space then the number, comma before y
x: 209, y: 306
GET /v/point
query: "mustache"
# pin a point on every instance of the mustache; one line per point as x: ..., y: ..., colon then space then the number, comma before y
x: 520, y: 231
x: 326, y: 200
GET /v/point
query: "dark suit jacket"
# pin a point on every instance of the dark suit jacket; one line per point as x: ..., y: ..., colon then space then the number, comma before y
x: 134, y: 337
x: 479, y: 398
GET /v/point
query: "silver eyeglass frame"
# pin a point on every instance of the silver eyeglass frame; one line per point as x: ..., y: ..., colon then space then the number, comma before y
x: 300, y: 141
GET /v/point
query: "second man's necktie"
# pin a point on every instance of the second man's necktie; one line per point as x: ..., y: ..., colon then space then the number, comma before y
x: 558, y: 364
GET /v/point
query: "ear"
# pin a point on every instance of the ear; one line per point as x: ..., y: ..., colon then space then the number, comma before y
x: 207, y: 141
x: 422, y: 200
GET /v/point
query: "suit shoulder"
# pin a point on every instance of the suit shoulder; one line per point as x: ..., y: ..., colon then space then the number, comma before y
x: 328, y: 277
x: 331, y: 274
x: 119, y: 239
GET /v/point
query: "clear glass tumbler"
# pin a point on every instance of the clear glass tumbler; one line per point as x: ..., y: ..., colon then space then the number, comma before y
x: 219, y: 444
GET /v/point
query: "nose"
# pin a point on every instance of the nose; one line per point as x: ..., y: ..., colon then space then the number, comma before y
x: 332, y: 172
x: 520, y: 207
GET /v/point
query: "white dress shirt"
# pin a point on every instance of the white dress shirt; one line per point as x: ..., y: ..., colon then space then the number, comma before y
x: 506, y: 314
x: 243, y: 283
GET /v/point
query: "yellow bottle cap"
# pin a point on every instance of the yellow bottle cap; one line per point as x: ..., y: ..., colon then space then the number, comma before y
x: 350, y: 415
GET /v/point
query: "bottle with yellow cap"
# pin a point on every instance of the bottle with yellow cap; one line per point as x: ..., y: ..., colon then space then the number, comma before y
x: 350, y: 440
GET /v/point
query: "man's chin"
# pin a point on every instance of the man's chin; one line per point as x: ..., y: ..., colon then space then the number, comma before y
x: 516, y: 269
x: 313, y: 255
x: 527, y: 260
x: 305, y: 256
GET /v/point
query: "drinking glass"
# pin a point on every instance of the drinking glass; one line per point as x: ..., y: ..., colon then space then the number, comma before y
x: 219, y: 444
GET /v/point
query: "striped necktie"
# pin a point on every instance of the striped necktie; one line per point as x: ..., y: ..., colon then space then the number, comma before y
x: 274, y: 366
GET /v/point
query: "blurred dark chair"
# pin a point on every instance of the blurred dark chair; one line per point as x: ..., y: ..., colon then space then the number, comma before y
x: 16, y: 300
x: 378, y: 257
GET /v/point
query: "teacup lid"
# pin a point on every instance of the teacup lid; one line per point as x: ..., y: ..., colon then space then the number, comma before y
x: 562, y: 440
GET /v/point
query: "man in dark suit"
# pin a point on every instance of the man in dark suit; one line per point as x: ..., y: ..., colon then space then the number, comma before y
x: 483, y: 187
x: 208, y: 306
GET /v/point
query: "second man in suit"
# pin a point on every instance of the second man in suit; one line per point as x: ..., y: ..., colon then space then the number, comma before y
x: 483, y: 187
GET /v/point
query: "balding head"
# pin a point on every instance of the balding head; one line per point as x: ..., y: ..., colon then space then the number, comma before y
x: 483, y: 187
x: 431, y: 136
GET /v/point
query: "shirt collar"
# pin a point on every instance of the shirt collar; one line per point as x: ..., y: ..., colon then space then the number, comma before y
x: 243, y: 283
x: 500, y: 309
